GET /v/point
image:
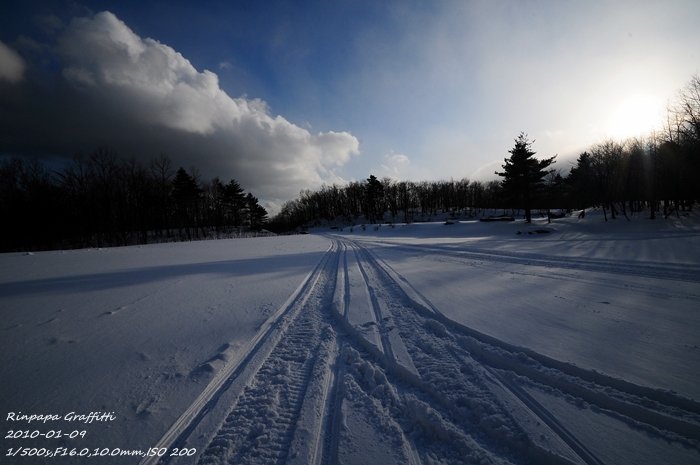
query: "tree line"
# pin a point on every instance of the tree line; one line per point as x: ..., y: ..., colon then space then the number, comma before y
x: 386, y: 200
x: 101, y: 200
x: 658, y: 174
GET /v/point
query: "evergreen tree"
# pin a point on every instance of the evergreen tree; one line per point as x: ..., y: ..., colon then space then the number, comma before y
x: 257, y: 215
x: 580, y: 182
x: 186, y: 193
x: 374, y: 193
x: 161, y: 174
x: 185, y: 187
x: 523, y: 174
x: 234, y: 201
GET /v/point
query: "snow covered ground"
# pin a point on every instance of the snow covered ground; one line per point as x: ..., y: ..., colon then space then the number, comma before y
x: 421, y: 343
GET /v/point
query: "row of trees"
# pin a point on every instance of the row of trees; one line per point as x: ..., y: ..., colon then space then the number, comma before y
x: 636, y: 175
x: 632, y: 176
x: 102, y: 200
x: 387, y: 200
x: 657, y: 173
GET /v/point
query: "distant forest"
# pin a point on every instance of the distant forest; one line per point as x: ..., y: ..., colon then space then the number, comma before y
x: 659, y: 174
x: 102, y: 200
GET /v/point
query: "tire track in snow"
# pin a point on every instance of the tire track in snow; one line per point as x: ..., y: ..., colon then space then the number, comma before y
x: 301, y: 405
x: 279, y: 416
x: 437, y: 407
x: 378, y: 312
x: 681, y: 272
x: 194, y: 427
x: 490, y: 343
x: 359, y: 362
x: 657, y: 410
x: 466, y: 394
x: 265, y: 422
x: 357, y: 309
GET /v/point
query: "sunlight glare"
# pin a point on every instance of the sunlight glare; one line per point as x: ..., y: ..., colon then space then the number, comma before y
x: 636, y: 116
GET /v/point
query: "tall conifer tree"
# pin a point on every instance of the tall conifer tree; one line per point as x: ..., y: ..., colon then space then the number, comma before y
x: 523, y: 174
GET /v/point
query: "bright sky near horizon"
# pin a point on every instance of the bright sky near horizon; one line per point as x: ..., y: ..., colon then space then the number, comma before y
x: 286, y: 95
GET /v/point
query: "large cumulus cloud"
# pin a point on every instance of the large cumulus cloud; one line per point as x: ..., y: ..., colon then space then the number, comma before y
x: 142, y: 98
x: 11, y: 64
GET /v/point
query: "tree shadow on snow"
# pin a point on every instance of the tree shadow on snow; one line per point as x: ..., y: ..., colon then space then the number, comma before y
x: 288, y: 265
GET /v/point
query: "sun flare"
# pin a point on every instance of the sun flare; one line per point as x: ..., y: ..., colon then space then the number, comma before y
x: 636, y: 116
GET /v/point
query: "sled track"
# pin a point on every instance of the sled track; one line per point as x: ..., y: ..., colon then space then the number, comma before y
x: 659, y: 412
x: 483, y: 345
x: 684, y: 272
x: 473, y: 394
x: 357, y: 345
x: 263, y: 422
x: 282, y: 334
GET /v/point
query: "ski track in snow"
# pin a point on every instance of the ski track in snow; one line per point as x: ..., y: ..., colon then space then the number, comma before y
x: 674, y: 272
x: 358, y: 367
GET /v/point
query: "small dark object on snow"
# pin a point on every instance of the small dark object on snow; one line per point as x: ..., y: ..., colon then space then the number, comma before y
x: 448, y: 222
x: 497, y: 218
x: 537, y: 231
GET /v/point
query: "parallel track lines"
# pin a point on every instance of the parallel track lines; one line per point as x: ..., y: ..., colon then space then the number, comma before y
x: 685, y: 272
x: 355, y: 323
x: 634, y: 406
x: 230, y: 382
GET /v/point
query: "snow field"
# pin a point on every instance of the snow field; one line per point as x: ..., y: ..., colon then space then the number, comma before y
x: 423, y: 344
x: 434, y: 392
x: 131, y: 330
x: 545, y: 292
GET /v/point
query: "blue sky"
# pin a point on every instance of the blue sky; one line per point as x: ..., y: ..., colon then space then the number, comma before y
x: 288, y: 95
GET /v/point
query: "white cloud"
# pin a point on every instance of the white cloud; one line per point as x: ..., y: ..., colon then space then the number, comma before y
x: 272, y: 208
x: 399, y: 158
x: 395, y: 162
x: 488, y: 172
x: 150, y: 83
x: 12, y: 65
x: 225, y: 65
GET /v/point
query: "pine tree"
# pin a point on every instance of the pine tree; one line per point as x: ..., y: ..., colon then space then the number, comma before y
x: 186, y: 193
x: 580, y: 181
x: 234, y: 201
x: 374, y: 194
x: 257, y: 215
x: 523, y: 174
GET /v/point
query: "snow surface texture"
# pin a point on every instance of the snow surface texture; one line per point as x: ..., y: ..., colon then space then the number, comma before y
x: 421, y: 343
